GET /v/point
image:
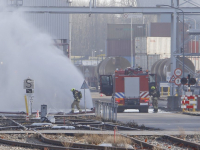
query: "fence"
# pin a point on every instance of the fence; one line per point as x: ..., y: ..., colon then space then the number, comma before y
x: 105, y: 110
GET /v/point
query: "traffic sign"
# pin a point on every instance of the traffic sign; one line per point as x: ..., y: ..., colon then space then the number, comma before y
x: 172, y: 79
x: 178, y: 72
x: 28, y: 83
x: 29, y: 91
x: 84, y: 85
x: 168, y: 76
x: 177, y: 81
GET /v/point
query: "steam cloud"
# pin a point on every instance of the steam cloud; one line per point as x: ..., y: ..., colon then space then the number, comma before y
x: 27, y: 52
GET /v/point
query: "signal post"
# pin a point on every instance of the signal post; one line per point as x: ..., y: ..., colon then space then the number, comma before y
x: 29, y: 85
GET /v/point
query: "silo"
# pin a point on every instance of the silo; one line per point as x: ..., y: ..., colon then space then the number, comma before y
x: 110, y: 64
x: 161, y: 67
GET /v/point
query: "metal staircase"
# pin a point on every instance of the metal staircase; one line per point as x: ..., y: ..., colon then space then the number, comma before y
x: 186, y: 67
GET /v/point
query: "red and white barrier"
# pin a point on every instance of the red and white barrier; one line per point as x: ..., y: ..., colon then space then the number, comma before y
x: 189, y: 101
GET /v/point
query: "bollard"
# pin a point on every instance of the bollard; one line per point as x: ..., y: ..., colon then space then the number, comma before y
x: 168, y: 91
x: 114, y: 134
x: 161, y: 91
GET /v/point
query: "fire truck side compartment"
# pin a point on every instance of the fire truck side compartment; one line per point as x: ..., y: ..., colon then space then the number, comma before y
x: 131, y: 87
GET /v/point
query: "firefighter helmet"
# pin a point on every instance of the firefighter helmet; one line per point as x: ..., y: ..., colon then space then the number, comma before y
x: 153, y: 88
x: 72, y: 89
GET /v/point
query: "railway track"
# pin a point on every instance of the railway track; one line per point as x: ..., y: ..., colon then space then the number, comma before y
x: 182, y: 143
x: 89, y: 124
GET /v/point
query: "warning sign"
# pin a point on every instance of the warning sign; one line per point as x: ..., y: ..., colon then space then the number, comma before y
x: 177, y: 81
x: 172, y: 79
x: 178, y: 72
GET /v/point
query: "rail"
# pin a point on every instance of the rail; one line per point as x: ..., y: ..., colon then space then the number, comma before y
x: 105, y: 110
x: 179, y: 141
x: 78, y: 145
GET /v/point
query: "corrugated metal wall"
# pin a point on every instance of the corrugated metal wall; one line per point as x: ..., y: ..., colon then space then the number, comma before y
x: 141, y: 60
x: 119, y: 38
x: 119, y: 47
x: 141, y: 45
x: 57, y: 25
x: 123, y: 31
x: 192, y: 47
x: 158, y: 45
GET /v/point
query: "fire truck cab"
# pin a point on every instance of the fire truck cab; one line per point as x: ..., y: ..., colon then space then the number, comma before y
x: 129, y: 88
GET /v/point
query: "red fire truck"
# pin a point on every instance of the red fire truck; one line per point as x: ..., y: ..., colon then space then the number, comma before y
x: 129, y: 88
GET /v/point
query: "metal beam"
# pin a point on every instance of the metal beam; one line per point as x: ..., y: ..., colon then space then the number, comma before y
x: 187, y: 54
x: 104, y: 10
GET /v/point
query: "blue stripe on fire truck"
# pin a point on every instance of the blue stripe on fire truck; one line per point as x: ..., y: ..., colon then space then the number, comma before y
x: 119, y: 95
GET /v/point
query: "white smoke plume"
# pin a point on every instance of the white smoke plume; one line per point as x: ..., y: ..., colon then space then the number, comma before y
x: 27, y: 52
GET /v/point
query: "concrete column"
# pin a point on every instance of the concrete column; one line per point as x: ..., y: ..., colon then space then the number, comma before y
x: 173, y: 43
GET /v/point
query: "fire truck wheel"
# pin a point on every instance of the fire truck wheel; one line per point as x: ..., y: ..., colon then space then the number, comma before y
x: 143, y: 110
x: 120, y: 110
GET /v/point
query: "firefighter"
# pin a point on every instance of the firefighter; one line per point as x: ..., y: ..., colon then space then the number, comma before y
x: 154, y: 98
x: 77, y: 97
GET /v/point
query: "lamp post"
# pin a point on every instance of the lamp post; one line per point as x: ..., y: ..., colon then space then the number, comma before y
x: 183, y: 30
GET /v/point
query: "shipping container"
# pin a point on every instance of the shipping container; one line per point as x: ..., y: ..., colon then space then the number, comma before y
x: 164, y: 56
x: 141, y: 45
x: 141, y: 60
x: 151, y: 59
x: 192, y: 48
x: 158, y: 45
x: 119, y: 48
x: 163, y: 29
x: 123, y: 31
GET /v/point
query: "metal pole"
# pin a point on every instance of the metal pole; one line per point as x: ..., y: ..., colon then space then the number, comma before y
x: 31, y: 107
x: 105, y: 110
x: 131, y: 41
x: 195, y: 46
x: 84, y: 100
x: 174, y: 23
x: 116, y: 105
x: 183, y: 43
x: 70, y: 34
x: 113, y: 112
x: 95, y: 108
x: 109, y: 111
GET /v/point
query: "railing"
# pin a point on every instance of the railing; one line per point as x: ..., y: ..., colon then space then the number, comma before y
x: 186, y: 67
x: 105, y: 110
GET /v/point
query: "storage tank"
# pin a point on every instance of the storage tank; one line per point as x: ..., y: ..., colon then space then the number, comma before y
x: 110, y: 64
x: 162, y: 66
